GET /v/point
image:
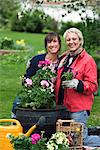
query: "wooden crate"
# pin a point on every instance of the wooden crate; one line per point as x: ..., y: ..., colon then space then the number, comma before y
x: 73, y: 131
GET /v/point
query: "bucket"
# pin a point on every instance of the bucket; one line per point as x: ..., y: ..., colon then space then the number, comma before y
x: 7, y: 126
x: 28, y: 117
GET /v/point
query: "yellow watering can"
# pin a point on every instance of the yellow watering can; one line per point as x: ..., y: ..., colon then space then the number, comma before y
x: 14, y: 127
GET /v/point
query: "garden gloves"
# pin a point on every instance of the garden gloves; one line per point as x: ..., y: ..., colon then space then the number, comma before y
x: 70, y: 83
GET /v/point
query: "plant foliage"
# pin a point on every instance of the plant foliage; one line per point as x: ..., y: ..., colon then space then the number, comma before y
x: 39, y: 92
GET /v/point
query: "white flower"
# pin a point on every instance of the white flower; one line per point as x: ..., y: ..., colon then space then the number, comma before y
x: 59, y: 138
x: 8, y: 135
x: 51, y: 145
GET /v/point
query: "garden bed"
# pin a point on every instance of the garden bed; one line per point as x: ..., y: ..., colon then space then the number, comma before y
x: 3, y: 52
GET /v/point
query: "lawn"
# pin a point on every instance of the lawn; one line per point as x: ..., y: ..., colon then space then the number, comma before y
x: 13, y: 66
x: 36, y: 41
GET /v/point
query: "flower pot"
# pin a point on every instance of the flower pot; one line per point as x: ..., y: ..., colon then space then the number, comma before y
x: 29, y: 117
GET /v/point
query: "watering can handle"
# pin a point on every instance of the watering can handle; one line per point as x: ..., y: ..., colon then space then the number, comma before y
x: 10, y: 120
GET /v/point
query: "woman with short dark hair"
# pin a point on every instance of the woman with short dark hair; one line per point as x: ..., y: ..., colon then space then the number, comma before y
x: 52, y: 43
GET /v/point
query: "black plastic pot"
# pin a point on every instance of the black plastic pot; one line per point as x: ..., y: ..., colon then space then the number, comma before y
x: 94, y: 130
x: 29, y: 117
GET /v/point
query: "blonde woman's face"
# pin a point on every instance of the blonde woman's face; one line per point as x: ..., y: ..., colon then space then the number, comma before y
x: 72, y: 41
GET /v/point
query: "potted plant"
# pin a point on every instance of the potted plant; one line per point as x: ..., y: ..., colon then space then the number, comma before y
x: 38, y: 92
x: 57, y: 141
x: 38, y: 99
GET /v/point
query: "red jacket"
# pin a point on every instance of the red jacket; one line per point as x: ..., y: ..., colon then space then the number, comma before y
x: 85, y: 67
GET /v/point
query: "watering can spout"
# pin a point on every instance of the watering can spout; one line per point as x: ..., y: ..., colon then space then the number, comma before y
x: 40, y: 123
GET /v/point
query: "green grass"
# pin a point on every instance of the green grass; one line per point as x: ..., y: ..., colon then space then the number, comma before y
x: 9, y: 86
x: 94, y: 119
x: 10, y: 72
x: 36, y: 41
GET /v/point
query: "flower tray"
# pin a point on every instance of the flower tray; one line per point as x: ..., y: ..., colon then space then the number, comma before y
x: 73, y: 131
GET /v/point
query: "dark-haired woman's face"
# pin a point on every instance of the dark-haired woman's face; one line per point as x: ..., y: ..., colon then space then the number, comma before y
x: 53, y: 46
x: 72, y: 41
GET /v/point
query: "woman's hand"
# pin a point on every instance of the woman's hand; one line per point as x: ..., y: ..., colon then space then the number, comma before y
x: 70, y: 83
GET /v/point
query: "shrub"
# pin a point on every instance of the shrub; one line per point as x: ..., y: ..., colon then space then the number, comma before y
x: 34, y: 23
x: 19, y: 24
x: 28, y: 21
x: 91, y: 35
x: 49, y: 24
x: 10, y: 44
x: 6, y: 43
x: 7, y: 10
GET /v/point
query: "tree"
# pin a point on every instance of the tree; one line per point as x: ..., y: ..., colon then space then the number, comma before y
x: 81, y: 7
x: 7, y: 10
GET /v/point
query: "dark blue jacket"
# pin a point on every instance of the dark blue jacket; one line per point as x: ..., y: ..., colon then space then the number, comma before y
x: 33, y: 65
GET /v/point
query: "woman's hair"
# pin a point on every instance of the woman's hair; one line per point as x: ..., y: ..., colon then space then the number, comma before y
x: 51, y: 36
x: 77, y: 31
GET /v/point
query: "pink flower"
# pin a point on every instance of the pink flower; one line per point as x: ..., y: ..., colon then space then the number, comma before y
x: 53, y: 79
x: 41, y: 63
x: 52, y: 87
x: 28, y: 81
x: 35, y: 138
x: 33, y: 141
x: 44, y: 63
x: 47, y: 62
x: 44, y: 83
x: 44, y: 68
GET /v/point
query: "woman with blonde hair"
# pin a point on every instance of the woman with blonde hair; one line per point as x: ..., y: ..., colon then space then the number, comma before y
x: 77, y: 94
